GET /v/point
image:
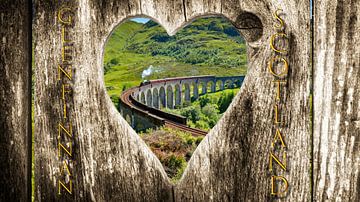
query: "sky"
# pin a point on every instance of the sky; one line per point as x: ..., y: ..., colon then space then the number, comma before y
x: 140, y: 20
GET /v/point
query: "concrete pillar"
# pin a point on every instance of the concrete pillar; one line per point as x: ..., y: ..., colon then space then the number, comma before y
x: 213, y: 85
x: 170, y: 97
x: 162, y: 95
x: 204, y: 88
x: 187, y: 92
x: 177, y: 94
x: 149, y: 98
x: 155, y: 98
x: 142, y: 97
x: 195, y: 90
x: 222, y: 85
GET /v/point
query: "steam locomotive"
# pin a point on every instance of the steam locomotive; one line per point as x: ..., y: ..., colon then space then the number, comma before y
x: 145, y: 82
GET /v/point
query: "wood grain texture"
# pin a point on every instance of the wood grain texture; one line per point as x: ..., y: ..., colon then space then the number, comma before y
x: 14, y: 100
x: 337, y: 101
x: 231, y: 163
x: 111, y: 163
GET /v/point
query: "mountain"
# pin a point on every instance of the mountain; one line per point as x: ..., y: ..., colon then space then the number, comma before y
x: 206, y: 46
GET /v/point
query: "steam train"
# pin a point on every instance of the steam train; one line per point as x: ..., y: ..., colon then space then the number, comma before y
x: 145, y: 82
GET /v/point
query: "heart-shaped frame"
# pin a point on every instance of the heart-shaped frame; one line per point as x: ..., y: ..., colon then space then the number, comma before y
x: 111, y: 163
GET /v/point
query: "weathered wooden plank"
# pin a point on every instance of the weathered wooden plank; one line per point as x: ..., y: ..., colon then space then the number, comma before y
x: 15, y: 101
x: 232, y: 162
x: 110, y: 162
x: 169, y: 14
x: 198, y: 8
x: 336, y: 101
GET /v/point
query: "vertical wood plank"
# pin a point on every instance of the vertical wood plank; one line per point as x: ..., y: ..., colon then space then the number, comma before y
x: 15, y: 100
x: 337, y: 100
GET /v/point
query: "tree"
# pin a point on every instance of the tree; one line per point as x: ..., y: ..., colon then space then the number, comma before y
x: 192, y: 113
x: 224, y: 101
x: 211, y: 111
x: 203, y: 100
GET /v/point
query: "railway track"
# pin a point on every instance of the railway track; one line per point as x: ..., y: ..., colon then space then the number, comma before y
x: 193, y: 131
x: 127, y: 100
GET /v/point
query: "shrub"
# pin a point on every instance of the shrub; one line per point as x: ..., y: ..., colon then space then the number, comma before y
x: 174, y: 164
x: 192, y: 113
x: 202, y: 124
x: 114, y: 61
x: 198, y: 140
x: 224, y: 101
x: 190, y: 141
x: 203, y: 100
x: 212, y: 113
x: 161, y: 37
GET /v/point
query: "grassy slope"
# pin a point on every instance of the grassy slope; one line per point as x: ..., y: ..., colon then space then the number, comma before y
x: 134, y: 48
x: 199, y: 49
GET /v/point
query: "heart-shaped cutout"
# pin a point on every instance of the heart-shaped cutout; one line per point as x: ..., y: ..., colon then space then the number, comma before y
x: 174, y: 89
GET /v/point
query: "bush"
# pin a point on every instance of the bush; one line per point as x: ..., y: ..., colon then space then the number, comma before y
x: 214, y: 26
x: 231, y: 31
x: 203, y: 100
x: 224, y: 101
x: 198, y: 140
x: 202, y: 125
x: 192, y: 113
x: 161, y: 37
x: 175, y: 165
x: 211, y: 111
x: 114, y: 61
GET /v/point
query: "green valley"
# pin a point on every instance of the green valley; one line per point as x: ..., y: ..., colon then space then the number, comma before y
x: 208, y: 46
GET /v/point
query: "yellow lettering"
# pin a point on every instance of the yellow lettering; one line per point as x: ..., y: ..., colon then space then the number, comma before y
x: 278, y: 136
x: 67, y: 74
x: 68, y: 132
x: 65, y: 167
x: 273, y: 185
x: 277, y: 121
x: 271, y: 68
x: 278, y: 82
x: 273, y: 157
x: 272, y: 40
x: 69, y: 190
x: 66, y: 53
x: 61, y: 146
x: 281, y: 22
x: 64, y: 16
x: 65, y: 35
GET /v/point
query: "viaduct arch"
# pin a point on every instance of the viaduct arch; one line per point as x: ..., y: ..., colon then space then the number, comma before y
x: 155, y: 95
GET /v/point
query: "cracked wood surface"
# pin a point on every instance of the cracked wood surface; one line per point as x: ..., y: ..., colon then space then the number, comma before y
x: 14, y: 100
x: 111, y: 163
x: 337, y: 101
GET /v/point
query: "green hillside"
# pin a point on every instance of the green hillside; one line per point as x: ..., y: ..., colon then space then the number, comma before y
x: 208, y: 46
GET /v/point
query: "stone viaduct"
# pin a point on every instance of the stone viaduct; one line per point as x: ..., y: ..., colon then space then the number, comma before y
x: 169, y: 92
x: 141, y: 105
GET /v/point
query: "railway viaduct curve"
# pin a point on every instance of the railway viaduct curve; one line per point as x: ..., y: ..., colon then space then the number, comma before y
x: 141, y: 105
